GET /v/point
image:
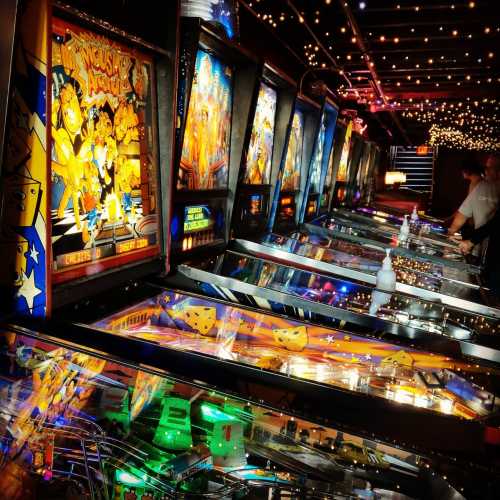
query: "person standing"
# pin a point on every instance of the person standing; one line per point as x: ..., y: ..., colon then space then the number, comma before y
x: 473, y: 174
x: 492, y: 262
x: 482, y: 201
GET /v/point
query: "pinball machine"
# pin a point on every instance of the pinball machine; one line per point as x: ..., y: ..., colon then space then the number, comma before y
x: 87, y: 423
x: 364, y: 173
x: 293, y: 178
x: 216, y: 85
x: 82, y: 193
x: 342, y: 162
x: 319, y: 163
x: 265, y: 137
x: 355, y: 159
x: 367, y: 176
x: 160, y: 369
x: 333, y: 161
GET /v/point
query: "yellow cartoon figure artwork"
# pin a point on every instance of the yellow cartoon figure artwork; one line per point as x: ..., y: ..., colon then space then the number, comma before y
x: 344, y: 158
x: 103, y: 166
x: 205, y: 149
x: 293, y: 161
x: 260, y: 148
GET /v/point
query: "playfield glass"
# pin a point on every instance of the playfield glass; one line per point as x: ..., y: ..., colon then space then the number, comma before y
x: 103, y: 191
x: 355, y: 297
x: 344, y: 158
x: 312, y: 352
x: 79, y: 426
x: 205, y: 151
x: 260, y: 148
x: 293, y: 161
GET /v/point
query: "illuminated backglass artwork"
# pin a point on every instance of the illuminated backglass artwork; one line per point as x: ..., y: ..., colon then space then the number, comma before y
x: 344, y: 158
x: 329, y: 171
x: 222, y: 12
x: 293, y: 161
x: 103, y: 168
x: 318, y: 156
x: 260, y: 148
x: 205, y: 152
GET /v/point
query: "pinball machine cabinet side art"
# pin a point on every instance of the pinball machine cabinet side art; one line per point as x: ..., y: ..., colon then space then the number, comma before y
x: 23, y: 217
x: 8, y: 13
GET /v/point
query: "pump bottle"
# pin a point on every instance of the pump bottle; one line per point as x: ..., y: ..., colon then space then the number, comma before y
x: 386, y: 282
x: 414, y: 214
x: 404, y: 230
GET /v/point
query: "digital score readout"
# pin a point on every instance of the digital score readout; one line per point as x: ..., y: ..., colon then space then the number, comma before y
x: 287, y: 204
x: 129, y: 245
x: 311, y: 207
x: 199, y: 225
x: 100, y: 252
x: 256, y: 204
x: 197, y: 218
x: 80, y: 257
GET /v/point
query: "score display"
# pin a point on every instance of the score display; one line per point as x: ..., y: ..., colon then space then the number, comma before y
x: 197, y: 218
x: 199, y: 225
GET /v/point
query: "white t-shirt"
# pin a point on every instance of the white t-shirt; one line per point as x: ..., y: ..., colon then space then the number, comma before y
x: 481, y: 203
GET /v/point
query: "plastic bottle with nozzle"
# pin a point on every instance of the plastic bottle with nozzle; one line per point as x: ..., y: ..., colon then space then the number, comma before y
x: 414, y: 214
x: 386, y: 282
x: 404, y: 230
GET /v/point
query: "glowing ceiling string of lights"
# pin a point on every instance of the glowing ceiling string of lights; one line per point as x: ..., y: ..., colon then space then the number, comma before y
x: 469, y: 124
x: 433, y: 71
x: 434, y: 66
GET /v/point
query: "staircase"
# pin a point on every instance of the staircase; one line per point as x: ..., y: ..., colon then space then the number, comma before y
x: 419, y: 168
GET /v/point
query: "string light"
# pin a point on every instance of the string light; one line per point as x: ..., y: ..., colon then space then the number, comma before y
x: 432, y: 70
x: 462, y: 125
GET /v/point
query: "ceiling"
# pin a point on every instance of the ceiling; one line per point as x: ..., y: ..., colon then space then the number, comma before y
x: 409, y: 64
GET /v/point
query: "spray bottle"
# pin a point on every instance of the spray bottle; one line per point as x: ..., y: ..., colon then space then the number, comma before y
x: 414, y: 215
x: 386, y: 281
x: 404, y: 230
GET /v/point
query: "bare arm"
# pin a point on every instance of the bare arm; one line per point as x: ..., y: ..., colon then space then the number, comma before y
x: 458, y: 221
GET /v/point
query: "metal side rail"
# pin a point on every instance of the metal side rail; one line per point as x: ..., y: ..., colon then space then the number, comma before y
x: 272, y: 253
x: 361, y: 222
x: 397, y: 250
x: 239, y: 292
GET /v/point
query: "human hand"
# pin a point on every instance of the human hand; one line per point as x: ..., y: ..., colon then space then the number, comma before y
x: 466, y: 246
